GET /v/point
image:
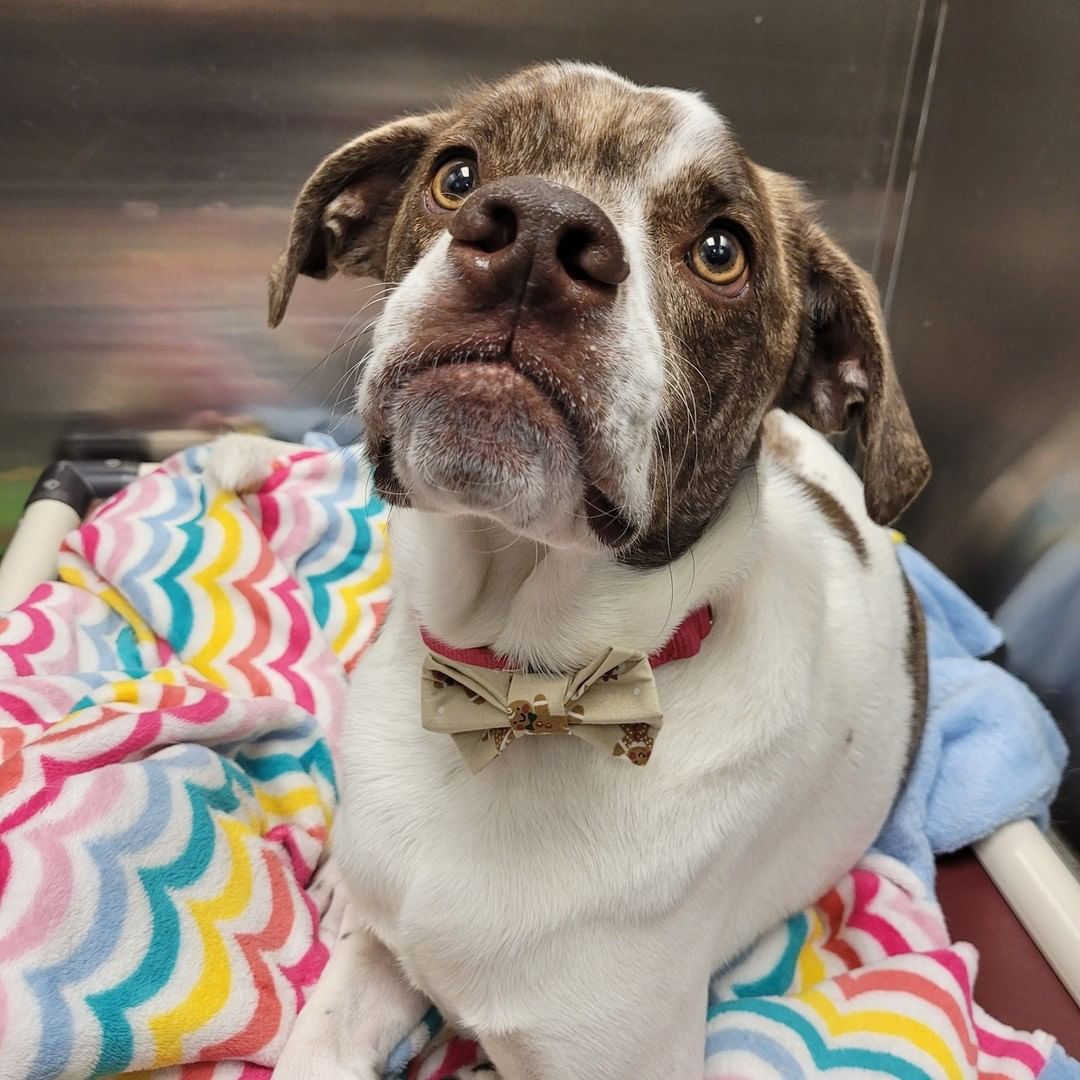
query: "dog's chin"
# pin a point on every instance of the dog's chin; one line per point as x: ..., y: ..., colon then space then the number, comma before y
x: 482, y: 439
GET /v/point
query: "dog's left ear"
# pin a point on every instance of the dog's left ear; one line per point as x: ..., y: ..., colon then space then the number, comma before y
x: 344, y: 213
x: 843, y: 377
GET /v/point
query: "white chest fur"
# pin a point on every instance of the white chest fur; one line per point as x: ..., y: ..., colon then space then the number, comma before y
x: 560, y: 875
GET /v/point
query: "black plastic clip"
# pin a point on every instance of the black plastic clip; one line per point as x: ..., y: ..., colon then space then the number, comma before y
x: 80, y: 483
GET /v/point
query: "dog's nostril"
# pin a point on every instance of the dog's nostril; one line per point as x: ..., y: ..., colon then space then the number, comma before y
x: 570, y: 250
x: 593, y: 255
x: 501, y: 231
x: 484, y: 223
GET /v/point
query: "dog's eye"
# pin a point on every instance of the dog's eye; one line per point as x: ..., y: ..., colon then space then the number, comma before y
x: 718, y: 257
x: 453, y: 182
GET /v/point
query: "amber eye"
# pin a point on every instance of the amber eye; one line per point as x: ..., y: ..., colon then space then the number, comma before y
x: 718, y: 257
x: 453, y: 182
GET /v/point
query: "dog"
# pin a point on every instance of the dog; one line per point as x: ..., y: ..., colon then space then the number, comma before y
x: 598, y: 400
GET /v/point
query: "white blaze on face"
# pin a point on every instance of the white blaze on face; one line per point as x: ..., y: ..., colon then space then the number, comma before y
x: 699, y: 125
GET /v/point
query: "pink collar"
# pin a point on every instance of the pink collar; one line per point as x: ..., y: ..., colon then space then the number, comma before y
x: 684, y: 643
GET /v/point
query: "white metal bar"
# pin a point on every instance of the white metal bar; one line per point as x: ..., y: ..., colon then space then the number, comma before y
x: 33, y: 553
x: 31, y: 557
x: 1042, y: 892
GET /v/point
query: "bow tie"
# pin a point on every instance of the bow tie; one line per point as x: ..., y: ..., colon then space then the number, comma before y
x: 611, y: 702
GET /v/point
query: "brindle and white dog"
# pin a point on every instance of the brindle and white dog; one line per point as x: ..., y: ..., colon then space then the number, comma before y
x: 582, y: 401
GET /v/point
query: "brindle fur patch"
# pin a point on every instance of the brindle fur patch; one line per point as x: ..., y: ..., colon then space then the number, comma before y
x: 917, y: 660
x: 835, y: 514
x: 805, y: 335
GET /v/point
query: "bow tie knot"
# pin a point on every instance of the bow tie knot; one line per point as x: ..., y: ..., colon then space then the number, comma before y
x: 610, y: 703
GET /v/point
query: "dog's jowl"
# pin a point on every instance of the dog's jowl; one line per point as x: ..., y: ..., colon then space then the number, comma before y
x: 651, y: 676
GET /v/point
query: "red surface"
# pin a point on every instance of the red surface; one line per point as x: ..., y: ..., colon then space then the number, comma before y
x: 1015, y: 984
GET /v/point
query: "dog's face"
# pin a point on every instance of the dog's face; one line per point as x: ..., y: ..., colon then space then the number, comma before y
x: 599, y: 297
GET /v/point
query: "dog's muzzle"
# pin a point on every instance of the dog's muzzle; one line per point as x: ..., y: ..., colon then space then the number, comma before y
x: 495, y: 400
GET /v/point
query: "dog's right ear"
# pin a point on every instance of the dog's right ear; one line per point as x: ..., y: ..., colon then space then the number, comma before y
x: 345, y: 211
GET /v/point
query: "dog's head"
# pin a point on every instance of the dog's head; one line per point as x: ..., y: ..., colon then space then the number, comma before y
x: 598, y: 298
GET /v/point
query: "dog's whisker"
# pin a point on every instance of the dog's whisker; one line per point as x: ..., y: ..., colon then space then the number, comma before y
x: 342, y: 383
x: 386, y: 290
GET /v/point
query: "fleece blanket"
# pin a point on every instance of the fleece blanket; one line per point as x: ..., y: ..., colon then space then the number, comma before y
x: 169, y: 716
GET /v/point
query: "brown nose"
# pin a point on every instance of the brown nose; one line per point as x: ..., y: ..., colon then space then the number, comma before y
x: 531, y: 238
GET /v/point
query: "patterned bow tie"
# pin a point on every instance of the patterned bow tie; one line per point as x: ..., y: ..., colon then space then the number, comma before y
x: 611, y: 703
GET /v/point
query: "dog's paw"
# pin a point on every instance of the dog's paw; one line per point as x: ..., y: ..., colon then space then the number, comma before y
x: 242, y: 463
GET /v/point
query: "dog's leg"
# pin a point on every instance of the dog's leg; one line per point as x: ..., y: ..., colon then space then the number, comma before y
x: 622, y: 1050
x: 360, y: 1009
x: 661, y: 1037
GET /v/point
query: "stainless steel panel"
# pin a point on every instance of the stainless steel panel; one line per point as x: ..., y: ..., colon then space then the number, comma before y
x: 986, y: 311
x: 151, y: 151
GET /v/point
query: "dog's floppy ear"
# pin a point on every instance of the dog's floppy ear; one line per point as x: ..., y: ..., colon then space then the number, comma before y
x: 844, y: 377
x: 345, y: 211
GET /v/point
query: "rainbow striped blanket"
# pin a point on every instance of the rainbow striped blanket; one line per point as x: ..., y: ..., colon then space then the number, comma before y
x: 169, y: 717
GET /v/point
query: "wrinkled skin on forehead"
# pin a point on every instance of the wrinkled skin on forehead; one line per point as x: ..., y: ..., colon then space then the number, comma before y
x: 699, y: 370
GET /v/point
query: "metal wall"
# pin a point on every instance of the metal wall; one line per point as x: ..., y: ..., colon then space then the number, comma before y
x: 985, y: 316
x: 151, y: 149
